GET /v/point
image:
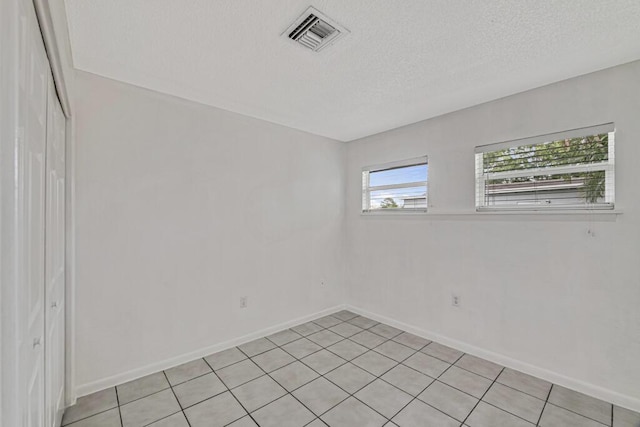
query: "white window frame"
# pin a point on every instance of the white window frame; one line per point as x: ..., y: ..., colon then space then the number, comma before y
x: 608, y: 167
x: 367, y: 189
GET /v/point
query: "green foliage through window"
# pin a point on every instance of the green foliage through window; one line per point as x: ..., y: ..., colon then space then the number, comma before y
x: 388, y: 203
x: 566, y: 152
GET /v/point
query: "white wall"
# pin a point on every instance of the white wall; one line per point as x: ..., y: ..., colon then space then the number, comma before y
x: 181, y: 210
x: 537, y: 289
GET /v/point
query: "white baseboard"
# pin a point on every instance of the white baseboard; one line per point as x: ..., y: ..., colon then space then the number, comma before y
x: 92, y: 387
x: 598, y: 392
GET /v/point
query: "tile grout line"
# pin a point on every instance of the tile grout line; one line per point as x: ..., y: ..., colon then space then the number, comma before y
x: 508, y: 412
x: 296, y: 359
x: 376, y: 377
x: 92, y: 415
x: 177, y: 400
x: 483, y: 395
x: 612, y: 414
x: 230, y: 392
x: 287, y: 392
x: 146, y: 395
x: 520, y: 391
x: 327, y: 379
x: 369, y: 349
x: 164, y: 418
x: 118, y: 403
x: 158, y: 391
x: 247, y: 358
x: 489, y: 403
x: 393, y: 385
x: 379, y: 377
x: 515, y: 389
x: 99, y: 412
x: 435, y: 357
x: 495, y: 380
x: 545, y: 405
x: 431, y: 383
x: 577, y: 413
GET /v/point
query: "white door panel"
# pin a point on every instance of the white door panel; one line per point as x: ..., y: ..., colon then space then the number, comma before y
x: 55, y: 260
x: 32, y: 120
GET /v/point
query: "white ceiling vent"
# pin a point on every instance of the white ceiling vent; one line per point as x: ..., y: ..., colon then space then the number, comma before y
x: 314, y: 30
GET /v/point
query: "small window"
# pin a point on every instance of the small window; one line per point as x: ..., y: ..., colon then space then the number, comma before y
x: 566, y: 170
x: 395, y: 187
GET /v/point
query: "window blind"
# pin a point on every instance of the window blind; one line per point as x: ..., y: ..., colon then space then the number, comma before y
x: 566, y: 170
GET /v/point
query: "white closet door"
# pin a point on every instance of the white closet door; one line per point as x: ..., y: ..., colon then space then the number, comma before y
x: 55, y: 261
x: 32, y: 117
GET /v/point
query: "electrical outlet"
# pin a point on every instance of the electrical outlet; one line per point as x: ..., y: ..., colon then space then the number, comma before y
x: 243, y: 302
x: 455, y: 300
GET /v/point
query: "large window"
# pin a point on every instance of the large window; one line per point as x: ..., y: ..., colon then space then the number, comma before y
x: 566, y: 170
x: 395, y: 187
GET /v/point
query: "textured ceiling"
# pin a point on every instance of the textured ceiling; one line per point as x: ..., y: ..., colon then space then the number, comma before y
x: 404, y: 61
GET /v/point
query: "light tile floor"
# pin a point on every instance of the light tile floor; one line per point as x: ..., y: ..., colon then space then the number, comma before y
x: 342, y: 370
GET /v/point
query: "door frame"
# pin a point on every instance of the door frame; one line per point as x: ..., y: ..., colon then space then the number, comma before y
x: 9, y: 271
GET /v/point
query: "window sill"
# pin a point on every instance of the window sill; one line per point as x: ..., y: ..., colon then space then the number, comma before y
x: 549, y: 212
x: 563, y: 215
x: 396, y: 212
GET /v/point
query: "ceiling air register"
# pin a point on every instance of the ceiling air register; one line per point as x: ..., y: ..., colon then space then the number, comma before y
x: 314, y: 30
